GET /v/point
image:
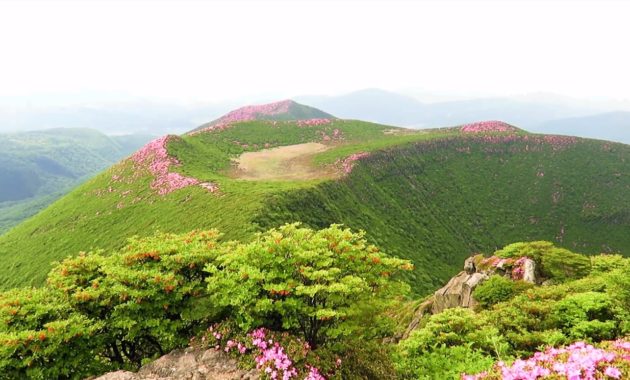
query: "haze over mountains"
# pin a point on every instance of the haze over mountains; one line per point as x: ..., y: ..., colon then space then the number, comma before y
x: 37, y: 167
x: 542, y: 113
x: 545, y: 113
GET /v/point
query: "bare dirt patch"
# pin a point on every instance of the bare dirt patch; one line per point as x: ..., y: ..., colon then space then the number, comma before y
x: 293, y: 162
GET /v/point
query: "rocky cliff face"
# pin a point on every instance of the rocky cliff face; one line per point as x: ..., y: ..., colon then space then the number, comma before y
x: 458, y: 292
x: 189, y: 364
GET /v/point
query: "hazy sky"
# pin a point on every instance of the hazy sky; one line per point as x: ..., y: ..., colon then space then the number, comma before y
x: 212, y: 50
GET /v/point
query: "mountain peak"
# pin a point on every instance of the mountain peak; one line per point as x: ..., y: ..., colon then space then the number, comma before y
x: 281, y: 110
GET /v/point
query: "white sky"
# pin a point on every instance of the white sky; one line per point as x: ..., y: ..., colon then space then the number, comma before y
x: 212, y: 50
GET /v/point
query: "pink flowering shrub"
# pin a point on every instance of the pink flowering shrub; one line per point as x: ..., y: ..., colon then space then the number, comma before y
x: 312, y: 122
x: 348, y: 163
x: 277, y: 356
x: 487, y: 126
x: 155, y: 158
x: 579, y: 361
x: 248, y: 113
x: 255, y: 111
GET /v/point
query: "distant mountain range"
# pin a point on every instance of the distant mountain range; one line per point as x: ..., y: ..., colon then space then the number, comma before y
x: 39, y: 166
x: 543, y: 113
x: 614, y: 126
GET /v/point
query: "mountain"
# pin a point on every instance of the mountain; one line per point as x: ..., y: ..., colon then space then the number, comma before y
x: 542, y: 113
x: 432, y: 196
x: 374, y: 105
x: 279, y: 111
x: 111, y: 118
x: 401, y: 110
x: 613, y: 126
x: 38, y: 167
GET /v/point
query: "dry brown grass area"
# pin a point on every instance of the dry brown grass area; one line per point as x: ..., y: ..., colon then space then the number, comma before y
x: 293, y: 162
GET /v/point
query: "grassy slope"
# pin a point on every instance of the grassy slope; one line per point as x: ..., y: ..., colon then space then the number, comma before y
x: 89, y: 217
x: 427, y: 202
x: 435, y: 205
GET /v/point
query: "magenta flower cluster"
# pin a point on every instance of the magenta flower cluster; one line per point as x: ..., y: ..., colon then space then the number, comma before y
x: 247, y: 113
x: 579, y: 361
x: 271, y: 357
x: 487, y: 126
x: 154, y: 157
x: 312, y: 122
x: 533, y: 143
x: 518, y: 270
x: 348, y: 163
x: 253, y: 112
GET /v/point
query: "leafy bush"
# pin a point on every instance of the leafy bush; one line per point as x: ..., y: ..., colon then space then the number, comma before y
x: 591, y: 316
x: 42, y: 337
x: 556, y: 263
x: 498, y: 289
x: 605, y: 263
x: 452, y: 342
x: 443, y: 362
x: 321, y: 285
x: 534, y: 250
x: 151, y: 294
x: 562, y: 265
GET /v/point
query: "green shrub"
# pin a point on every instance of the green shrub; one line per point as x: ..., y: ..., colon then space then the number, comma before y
x: 562, y: 265
x: 360, y: 359
x: 555, y: 263
x: 41, y: 337
x: 605, y: 263
x: 443, y: 362
x: 498, y: 289
x: 454, y: 327
x: 592, y: 316
x: 319, y: 284
x: 150, y: 295
x: 534, y: 250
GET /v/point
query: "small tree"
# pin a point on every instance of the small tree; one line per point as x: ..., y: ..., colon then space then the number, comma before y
x: 320, y: 284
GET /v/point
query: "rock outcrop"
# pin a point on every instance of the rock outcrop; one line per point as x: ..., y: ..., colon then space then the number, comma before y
x: 189, y: 364
x: 457, y: 292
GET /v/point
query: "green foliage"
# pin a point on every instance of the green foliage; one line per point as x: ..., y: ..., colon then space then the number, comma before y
x: 556, y: 263
x: 435, y: 202
x: 533, y: 249
x: 42, y: 337
x: 444, y: 362
x: 149, y: 295
x: 498, y: 289
x: 454, y: 327
x: 589, y: 315
x: 607, y: 263
x: 561, y: 265
x: 593, y: 309
x: 361, y: 359
x: 321, y: 285
x: 459, y: 337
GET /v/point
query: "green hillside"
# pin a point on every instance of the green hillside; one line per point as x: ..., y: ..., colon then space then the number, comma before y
x: 430, y: 196
x: 38, y: 167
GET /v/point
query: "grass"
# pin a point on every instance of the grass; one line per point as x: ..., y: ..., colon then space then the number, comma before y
x: 417, y: 197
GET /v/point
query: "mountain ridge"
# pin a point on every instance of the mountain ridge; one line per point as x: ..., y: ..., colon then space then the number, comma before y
x: 180, y: 183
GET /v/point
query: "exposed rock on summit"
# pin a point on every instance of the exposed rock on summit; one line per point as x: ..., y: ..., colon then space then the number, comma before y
x: 189, y: 364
